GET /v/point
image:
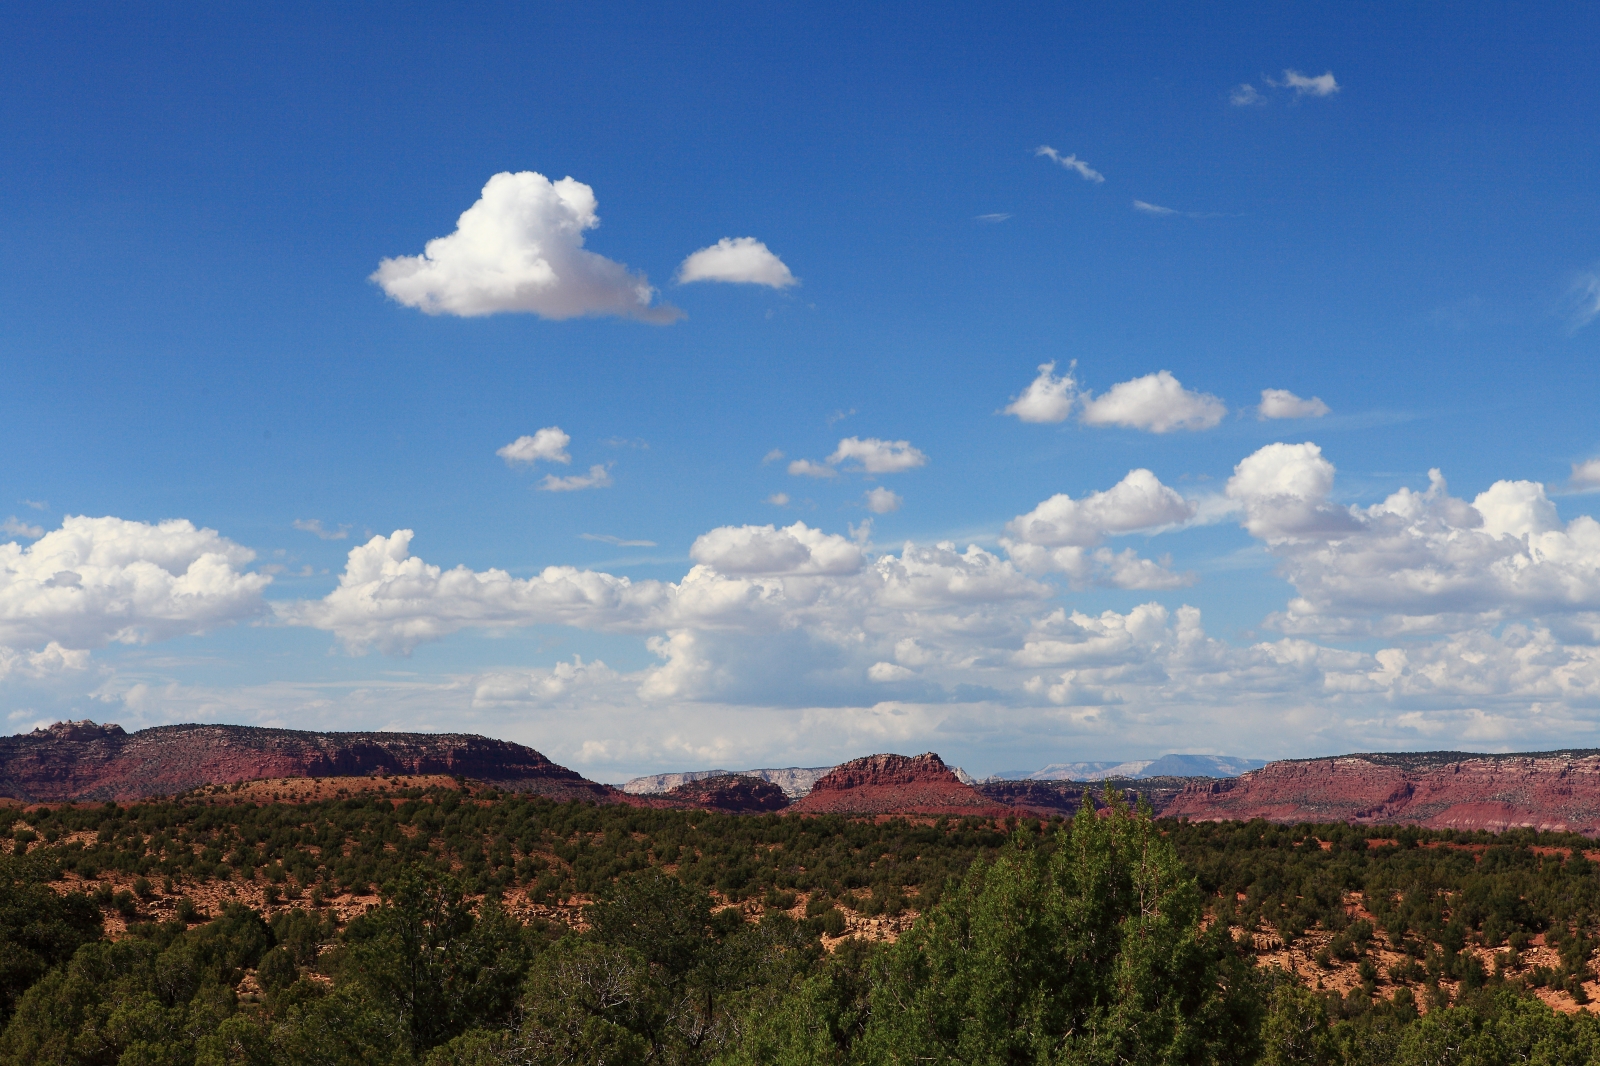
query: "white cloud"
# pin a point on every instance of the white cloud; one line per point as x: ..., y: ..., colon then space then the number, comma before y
x: 50, y: 660
x: 1303, y: 85
x: 549, y: 444
x: 520, y: 248
x: 1071, y: 162
x: 1585, y: 299
x: 606, y: 538
x: 1245, y: 95
x: 883, y: 673
x: 1153, y: 209
x: 779, y: 499
x: 771, y: 457
x: 737, y: 259
x: 389, y: 599
x: 1417, y: 562
x: 997, y: 216
x: 1156, y: 402
x: 1281, y: 403
x: 883, y: 501
x: 97, y: 581
x: 1585, y: 475
x: 314, y: 526
x: 807, y: 468
x: 767, y: 550
x: 598, y: 477
x: 878, y: 456
x: 1047, y: 398
x: 37, y: 505
x: 15, y: 527
x: 1138, y: 502
x: 1283, y: 489
x: 1058, y: 535
x: 563, y: 683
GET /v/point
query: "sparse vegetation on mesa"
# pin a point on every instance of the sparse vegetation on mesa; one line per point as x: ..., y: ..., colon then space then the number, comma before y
x: 442, y: 925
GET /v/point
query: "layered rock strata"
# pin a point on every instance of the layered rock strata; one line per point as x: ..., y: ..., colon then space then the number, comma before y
x: 1557, y: 790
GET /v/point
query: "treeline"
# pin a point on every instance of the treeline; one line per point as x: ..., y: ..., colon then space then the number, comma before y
x: 1105, y: 939
x: 491, y: 844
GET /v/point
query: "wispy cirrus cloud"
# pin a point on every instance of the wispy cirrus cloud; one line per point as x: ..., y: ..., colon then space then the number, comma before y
x: 315, y: 527
x: 606, y: 538
x: 1306, y: 85
x: 598, y: 477
x: 1584, y: 297
x: 1070, y: 162
x: 1281, y: 403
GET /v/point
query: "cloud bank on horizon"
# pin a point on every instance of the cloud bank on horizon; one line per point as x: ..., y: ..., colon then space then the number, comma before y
x: 1494, y: 603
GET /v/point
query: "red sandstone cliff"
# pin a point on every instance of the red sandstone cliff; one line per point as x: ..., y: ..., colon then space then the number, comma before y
x: 730, y: 794
x: 1438, y: 790
x: 84, y: 761
x: 896, y: 784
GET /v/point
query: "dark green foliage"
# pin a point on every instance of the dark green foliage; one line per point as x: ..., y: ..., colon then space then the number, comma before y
x: 1073, y: 942
x: 1089, y: 953
x: 430, y: 963
x: 39, y: 927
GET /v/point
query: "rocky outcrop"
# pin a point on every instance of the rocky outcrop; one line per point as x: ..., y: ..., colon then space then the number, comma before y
x: 795, y: 781
x: 896, y: 784
x: 76, y: 761
x: 730, y: 794
x: 1045, y: 798
x: 1438, y: 790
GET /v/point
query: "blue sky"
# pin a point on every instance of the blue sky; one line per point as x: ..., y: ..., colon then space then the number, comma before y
x: 1389, y: 211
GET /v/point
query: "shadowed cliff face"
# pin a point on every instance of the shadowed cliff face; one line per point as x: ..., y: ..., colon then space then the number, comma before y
x: 84, y: 761
x: 1438, y: 790
x: 896, y: 784
x: 731, y: 794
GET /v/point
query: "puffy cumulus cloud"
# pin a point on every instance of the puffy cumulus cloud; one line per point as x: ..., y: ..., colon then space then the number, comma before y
x: 1418, y: 561
x: 1070, y: 162
x: 883, y: 501
x: 1283, y: 489
x: 598, y: 477
x: 795, y: 549
x: 48, y: 661
x: 1085, y: 567
x: 737, y: 259
x: 520, y: 248
x: 549, y: 444
x: 97, y: 581
x: 1058, y: 535
x: 878, y: 456
x: 1048, y: 398
x: 393, y: 601
x: 1281, y: 403
x: 1139, y: 501
x: 1156, y: 402
x: 1586, y: 475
